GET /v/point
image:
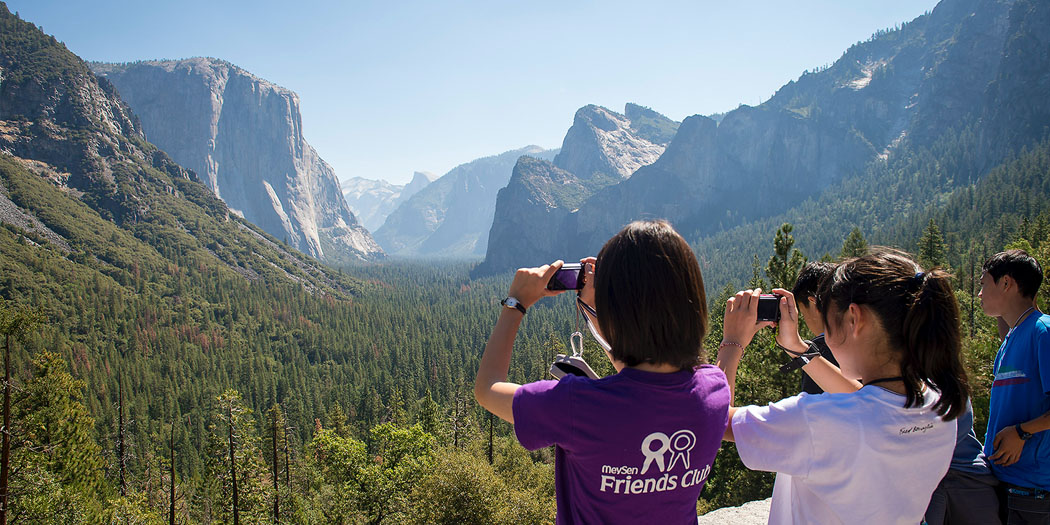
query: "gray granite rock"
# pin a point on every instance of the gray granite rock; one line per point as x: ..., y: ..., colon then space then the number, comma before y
x: 243, y: 136
x: 752, y: 513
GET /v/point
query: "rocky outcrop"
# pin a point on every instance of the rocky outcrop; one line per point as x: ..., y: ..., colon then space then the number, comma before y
x: 373, y: 200
x: 601, y: 149
x: 603, y: 142
x: 533, y: 207
x: 243, y: 136
x: 912, y: 84
x: 451, y: 217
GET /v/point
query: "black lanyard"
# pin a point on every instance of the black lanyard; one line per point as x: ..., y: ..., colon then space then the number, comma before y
x: 884, y: 380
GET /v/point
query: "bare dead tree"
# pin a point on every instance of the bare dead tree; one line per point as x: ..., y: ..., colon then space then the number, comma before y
x: 233, y: 467
x: 171, y: 473
x: 276, y: 488
x: 120, y: 438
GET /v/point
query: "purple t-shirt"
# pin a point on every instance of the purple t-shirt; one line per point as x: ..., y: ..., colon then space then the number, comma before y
x: 635, y: 447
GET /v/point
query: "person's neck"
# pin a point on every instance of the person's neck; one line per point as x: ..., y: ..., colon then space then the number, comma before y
x: 1018, y: 311
x: 896, y: 386
x: 879, y: 367
x: 662, y: 368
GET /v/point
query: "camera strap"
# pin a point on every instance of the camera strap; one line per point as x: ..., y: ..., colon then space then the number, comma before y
x: 575, y: 365
x: 800, y: 360
x: 587, y: 312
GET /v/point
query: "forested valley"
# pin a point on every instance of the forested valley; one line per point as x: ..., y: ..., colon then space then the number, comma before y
x: 359, y: 409
x: 167, y: 361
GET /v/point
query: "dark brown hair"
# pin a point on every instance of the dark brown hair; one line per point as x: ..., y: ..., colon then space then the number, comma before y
x: 650, y: 296
x: 1020, y: 266
x: 920, y: 315
x: 809, y: 279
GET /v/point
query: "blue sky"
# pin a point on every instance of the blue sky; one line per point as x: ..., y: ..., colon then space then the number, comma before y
x: 388, y: 88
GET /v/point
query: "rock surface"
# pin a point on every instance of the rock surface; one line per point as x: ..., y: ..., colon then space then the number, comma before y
x: 373, y: 200
x: 914, y: 84
x: 243, y: 136
x: 601, y: 149
x: 751, y: 513
x: 451, y: 217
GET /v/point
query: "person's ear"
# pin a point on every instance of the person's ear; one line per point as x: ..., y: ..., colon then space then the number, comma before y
x: 856, y: 320
x: 1006, y: 283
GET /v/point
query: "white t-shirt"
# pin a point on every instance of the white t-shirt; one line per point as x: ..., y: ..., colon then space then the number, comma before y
x: 847, y: 458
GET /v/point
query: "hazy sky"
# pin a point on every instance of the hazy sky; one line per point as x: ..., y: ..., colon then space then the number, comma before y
x: 388, y: 88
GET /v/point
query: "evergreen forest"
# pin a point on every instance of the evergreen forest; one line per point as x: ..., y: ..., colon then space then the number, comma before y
x: 168, y: 362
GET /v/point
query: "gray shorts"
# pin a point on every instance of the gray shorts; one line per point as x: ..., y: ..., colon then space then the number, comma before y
x: 964, y: 498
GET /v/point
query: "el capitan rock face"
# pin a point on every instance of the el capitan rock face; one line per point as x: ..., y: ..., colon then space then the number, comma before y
x: 243, y: 136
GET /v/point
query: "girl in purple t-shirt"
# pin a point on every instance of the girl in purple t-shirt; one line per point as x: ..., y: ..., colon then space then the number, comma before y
x: 629, y: 448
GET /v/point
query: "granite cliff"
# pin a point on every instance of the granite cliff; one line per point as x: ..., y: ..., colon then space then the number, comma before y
x: 451, y: 217
x: 944, y: 73
x: 243, y: 136
x: 83, y: 193
x: 373, y: 200
x: 538, y: 206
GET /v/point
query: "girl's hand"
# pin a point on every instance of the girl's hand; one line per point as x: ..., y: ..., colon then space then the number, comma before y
x: 530, y: 284
x: 787, y: 335
x: 741, y: 318
x: 587, y: 293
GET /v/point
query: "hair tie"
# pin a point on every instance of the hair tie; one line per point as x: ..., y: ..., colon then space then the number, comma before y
x: 919, y: 276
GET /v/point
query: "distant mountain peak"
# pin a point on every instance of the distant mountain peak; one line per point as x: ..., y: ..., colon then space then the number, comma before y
x: 422, y: 178
x: 602, y: 141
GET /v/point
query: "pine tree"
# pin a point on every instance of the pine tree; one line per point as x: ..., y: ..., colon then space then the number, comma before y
x: 15, y: 323
x: 56, y: 446
x: 854, y: 245
x: 933, y: 253
x: 783, y: 267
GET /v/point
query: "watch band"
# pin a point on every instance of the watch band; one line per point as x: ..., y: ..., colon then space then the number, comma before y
x: 510, y: 302
x: 1021, y: 433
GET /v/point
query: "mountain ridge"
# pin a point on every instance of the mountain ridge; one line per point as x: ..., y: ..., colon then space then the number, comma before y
x: 450, y: 218
x: 373, y: 200
x: 817, y: 131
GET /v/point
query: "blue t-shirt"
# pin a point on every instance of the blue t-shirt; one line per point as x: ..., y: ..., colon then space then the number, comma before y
x: 968, y: 456
x: 1020, y: 393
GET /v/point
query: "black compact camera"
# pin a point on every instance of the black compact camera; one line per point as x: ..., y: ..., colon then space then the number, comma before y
x: 769, y: 307
x: 569, y: 277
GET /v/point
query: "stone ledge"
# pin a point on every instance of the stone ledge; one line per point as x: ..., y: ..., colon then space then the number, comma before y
x: 751, y: 513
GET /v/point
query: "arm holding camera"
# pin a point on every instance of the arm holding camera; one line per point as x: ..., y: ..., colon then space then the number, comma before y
x: 739, y: 328
x: 826, y: 375
x: 491, y: 388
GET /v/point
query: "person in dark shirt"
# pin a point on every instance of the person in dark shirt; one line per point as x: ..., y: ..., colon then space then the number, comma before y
x: 805, y: 296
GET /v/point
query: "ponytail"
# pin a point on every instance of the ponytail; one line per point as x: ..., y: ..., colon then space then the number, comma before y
x: 932, y: 340
x: 920, y: 315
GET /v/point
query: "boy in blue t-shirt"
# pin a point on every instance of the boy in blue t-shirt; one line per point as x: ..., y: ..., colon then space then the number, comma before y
x: 1017, y: 443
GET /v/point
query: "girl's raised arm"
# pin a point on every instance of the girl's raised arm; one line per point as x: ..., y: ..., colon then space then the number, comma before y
x: 820, y: 370
x: 491, y: 388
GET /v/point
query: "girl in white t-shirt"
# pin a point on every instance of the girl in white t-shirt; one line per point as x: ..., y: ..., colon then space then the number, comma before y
x: 874, y: 446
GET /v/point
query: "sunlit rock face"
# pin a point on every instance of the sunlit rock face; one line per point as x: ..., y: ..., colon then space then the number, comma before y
x: 243, y: 136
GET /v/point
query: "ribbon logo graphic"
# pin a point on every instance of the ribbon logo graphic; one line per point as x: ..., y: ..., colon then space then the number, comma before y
x: 678, y: 444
